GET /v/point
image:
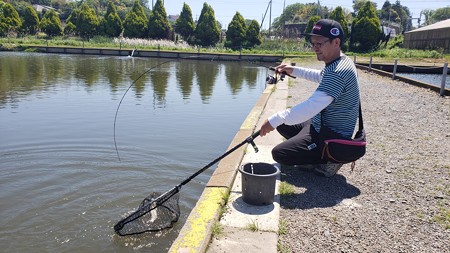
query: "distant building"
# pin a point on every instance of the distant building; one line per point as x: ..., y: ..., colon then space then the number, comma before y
x: 293, y: 30
x: 435, y: 36
x: 173, y: 18
x: 40, y: 8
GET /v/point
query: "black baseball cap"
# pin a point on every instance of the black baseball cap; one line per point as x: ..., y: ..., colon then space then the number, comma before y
x: 327, y: 28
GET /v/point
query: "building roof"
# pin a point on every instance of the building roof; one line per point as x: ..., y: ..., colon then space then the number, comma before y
x: 438, y: 25
x: 40, y: 8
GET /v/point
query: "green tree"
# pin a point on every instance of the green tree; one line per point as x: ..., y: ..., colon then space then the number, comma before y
x: 87, y: 22
x: 70, y: 29
x: 358, y: 4
x: 30, y: 22
x: 403, y: 14
x: 113, y: 24
x: 299, y: 13
x: 339, y: 16
x: 253, y: 35
x: 51, y: 24
x: 185, y: 25
x: 387, y: 13
x: 366, y: 29
x: 136, y: 22
x: 73, y: 18
x: 9, y: 19
x: 207, y: 32
x: 159, y: 27
x: 236, y: 32
x: 440, y: 14
x: 427, y: 13
x: 311, y: 22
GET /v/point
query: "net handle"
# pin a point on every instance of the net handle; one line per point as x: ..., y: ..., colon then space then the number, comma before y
x: 167, y: 195
x: 248, y: 140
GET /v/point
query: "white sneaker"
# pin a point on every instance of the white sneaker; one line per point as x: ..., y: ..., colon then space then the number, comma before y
x: 328, y: 169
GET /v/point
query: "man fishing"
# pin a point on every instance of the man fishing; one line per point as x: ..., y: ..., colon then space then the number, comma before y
x: 330, y: 113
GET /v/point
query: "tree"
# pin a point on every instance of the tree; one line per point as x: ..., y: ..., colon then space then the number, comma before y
x: 113, y: 24
x: 236, y: 32
x: 427, y: 13
x: 159, y: 27
x: 290, y: 14
x: 403, y: 14
x: 311, y: 22
x: 358, y: 4
x: 388, y: 13
x: 366, y: 29
x: 87, y: 22
x: 185, y: 25
x: 30, y: 22
x: 298, y: 13
x: 9, y: 19
x: 253, y: 35
x: 73, y: 18
x: 339, y: 16
x: 440, y: 14
x: 136, y: 22
x: 207, y: 32
x: 70, y: 29
x: 51, y: 24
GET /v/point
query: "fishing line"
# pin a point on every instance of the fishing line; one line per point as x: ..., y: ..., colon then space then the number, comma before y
x: 131, y: 85
x: 123, y: 96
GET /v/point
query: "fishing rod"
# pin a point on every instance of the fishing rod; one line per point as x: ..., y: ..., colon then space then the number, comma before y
x: 272, y: 79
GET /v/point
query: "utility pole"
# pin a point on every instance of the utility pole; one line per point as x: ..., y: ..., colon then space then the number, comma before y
x: 318, y: 8
x: 270, y: 17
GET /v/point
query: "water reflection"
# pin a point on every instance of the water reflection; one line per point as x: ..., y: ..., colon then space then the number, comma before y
x: 185, y: 78
x: 23, y: 74
x: 239, y: 74
x: 57, y: 152
x: 159, y: 81
x: 206, y: 78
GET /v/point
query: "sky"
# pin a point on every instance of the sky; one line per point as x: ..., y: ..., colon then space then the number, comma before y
x: 224, y: 10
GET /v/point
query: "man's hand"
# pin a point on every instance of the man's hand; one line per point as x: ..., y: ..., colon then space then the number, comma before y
x: 284, y: 68
x: 266, y: 128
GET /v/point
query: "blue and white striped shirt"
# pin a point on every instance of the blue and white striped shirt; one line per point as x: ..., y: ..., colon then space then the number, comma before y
x: 336, y: 99
x: 339, y: 80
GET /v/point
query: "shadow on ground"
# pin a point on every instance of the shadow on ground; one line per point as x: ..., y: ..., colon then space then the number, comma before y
x: 315, y: 191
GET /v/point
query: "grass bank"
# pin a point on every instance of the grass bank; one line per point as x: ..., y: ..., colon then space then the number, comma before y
x: 287, y: 48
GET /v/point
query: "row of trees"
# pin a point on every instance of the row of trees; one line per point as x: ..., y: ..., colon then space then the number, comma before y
x: 366, y: 21
x: 365, y: 29
x: 139, y: 22
x: 131, y: 19
x: 390, y: 14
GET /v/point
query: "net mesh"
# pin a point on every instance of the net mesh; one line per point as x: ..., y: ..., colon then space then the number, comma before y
x: 156, y: 212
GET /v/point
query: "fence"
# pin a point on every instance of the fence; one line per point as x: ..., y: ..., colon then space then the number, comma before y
x: 392, y: 70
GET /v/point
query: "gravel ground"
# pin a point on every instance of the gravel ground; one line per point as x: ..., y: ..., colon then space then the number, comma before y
x: 397, y: 197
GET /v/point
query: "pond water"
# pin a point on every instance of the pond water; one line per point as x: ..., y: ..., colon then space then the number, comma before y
x: 62, y: 186
x: 433, y: 79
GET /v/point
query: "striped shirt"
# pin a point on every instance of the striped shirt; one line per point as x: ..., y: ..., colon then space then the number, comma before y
x: 339, y: 80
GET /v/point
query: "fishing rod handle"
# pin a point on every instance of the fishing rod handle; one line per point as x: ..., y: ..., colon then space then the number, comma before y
x: 256, y: 134
x: 251, y: 138
x: 283, y: 73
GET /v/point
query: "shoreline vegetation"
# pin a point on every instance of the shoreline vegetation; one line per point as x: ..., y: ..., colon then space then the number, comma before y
x: 285, y: 48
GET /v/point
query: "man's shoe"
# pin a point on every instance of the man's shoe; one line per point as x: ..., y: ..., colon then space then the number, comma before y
x: 328, y: 169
